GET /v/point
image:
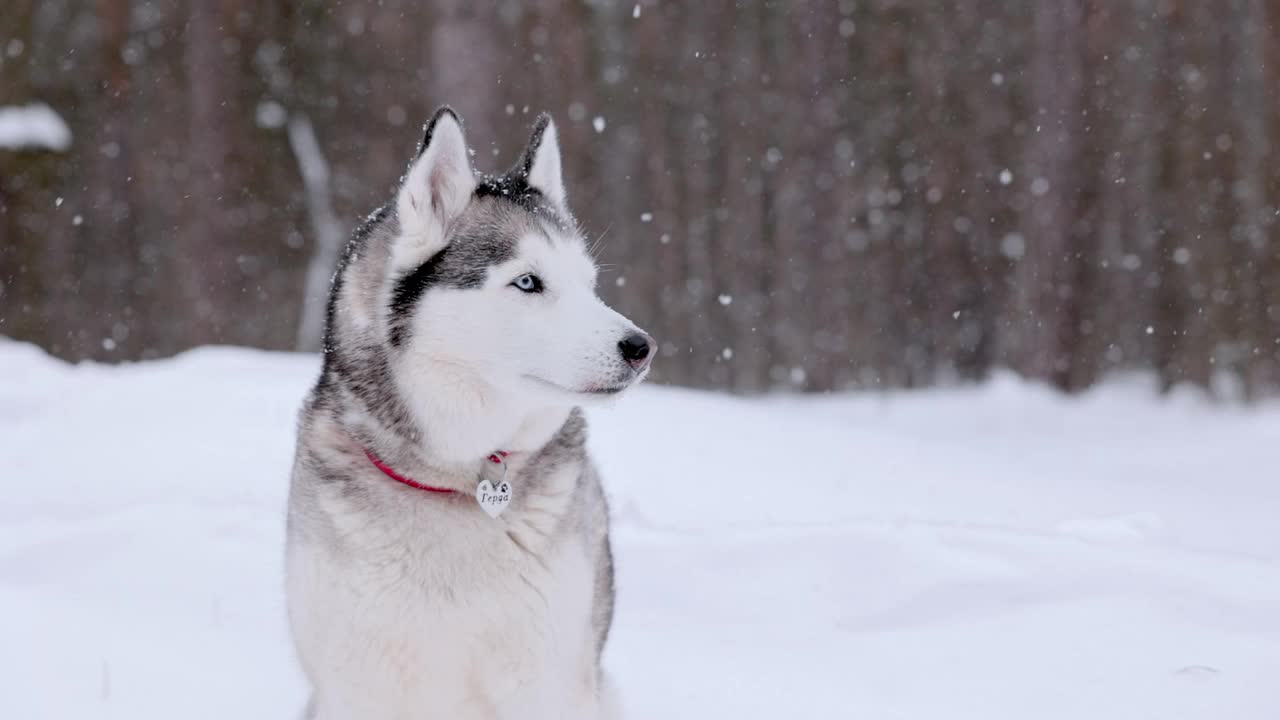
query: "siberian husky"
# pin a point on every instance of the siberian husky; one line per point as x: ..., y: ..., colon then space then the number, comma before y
x: 448, y: 543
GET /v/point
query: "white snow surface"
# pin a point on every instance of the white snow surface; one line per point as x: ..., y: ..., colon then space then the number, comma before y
x: 33, y: 126
x: 994, y: 552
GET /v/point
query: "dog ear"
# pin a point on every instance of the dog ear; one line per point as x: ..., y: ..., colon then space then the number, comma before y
x: 439, y: 183
x: 541, y: 161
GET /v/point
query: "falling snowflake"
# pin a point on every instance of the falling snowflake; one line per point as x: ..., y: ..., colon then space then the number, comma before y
x: 1013, y: 246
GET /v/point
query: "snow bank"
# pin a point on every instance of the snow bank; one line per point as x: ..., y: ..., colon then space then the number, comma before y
x: 35, y: 126
x: 996, y: 552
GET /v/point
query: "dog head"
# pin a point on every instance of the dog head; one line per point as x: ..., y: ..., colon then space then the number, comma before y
x: 493, y: 279
x: 480, y: 292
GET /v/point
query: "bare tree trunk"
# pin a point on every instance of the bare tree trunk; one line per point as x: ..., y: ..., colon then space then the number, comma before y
x: 1046, y: 308
x: 106, y: 267
x: 199, y: 260
x: 314, y: 170
x: 20, y: 287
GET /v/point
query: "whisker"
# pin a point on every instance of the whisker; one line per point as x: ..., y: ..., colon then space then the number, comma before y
x: 597, y: 246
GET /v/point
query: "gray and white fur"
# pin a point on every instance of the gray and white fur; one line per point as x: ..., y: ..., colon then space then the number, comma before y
x: 463, y: 320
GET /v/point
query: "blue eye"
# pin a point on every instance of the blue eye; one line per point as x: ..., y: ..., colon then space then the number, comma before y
x: 529, y: 283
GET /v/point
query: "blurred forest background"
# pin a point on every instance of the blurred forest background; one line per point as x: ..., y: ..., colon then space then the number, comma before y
x: 808, y: 195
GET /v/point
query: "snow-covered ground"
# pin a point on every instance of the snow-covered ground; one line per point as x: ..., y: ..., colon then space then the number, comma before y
x: 991, y: 553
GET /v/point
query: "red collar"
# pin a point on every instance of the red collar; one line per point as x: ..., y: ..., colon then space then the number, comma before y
x: 495, y: 458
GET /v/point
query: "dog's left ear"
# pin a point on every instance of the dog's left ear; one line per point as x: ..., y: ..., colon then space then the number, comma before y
x: 541, y: 161
x: 438, y: 185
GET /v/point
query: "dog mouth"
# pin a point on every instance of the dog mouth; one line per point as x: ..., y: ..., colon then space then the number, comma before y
x: 590, y: 390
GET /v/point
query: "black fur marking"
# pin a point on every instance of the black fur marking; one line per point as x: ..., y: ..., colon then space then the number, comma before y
x: 408, y: 289
x: 535, y: 141
x: 515, y: 187
x: 463, y: 264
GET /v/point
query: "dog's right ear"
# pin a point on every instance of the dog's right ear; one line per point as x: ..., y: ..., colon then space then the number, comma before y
x: 436, y: 189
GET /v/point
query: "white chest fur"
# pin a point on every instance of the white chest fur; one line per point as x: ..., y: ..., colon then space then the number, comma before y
x: 443, y: 612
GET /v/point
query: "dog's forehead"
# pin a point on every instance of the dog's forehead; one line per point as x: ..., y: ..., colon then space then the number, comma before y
x: 549, y: 246
x: 498, y: 218
x: 504, y: 227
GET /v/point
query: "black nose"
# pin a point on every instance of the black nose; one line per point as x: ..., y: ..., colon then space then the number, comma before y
x: 635, y: 349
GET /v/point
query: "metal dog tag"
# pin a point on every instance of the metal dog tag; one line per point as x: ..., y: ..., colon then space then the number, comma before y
x: 494, y: 497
